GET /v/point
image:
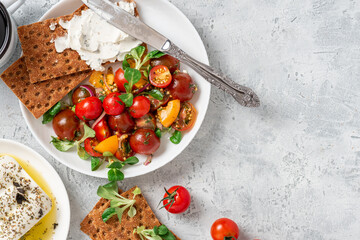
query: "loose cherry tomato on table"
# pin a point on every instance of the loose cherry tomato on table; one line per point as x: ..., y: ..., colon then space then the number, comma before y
x: 81, y: 93
x: 89, y: 109
x: 160, y: 76
x: 147, y: 121
x: 140, y: 107
x: 176, y: 200
x: 113, y: 105
x: 122, y: 123
x: 170, y: 62
x: 102, y: 130
x: 224, y: 229
x: 65, y: 124
x: 144, y: 141
x: 182, y: 87
x: 90, y: 144
x: 186, y: 118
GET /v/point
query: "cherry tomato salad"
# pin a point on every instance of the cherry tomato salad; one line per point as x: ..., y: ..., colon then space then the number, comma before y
x: 125, y: 113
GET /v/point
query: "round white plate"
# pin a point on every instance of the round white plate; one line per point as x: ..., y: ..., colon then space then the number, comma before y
x: 37, y: 162
x: 168, y: 20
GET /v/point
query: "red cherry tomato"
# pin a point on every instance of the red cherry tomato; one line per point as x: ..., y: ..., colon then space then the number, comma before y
x: 65, y: 124
x: 177, y: 199
x: 113, y: 105
x: 182, y: 87
x: 89, y: 145
x: 122, y: 123
x: 144, y: 141
x: 160, y: 76
x: 172, y: 63
x: 120, y: 80
x: 102, y: 130
x: 224, y: 229
x: 140, y: 107
x: 186, y: 118
x: 89, y: 109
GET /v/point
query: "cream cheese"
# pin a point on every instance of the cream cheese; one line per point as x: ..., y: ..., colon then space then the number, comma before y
x: 96, y: 40
x: 22, y: 202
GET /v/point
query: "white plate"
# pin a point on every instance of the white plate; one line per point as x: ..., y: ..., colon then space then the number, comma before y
x: 54, y: 182
x: 168, y: 20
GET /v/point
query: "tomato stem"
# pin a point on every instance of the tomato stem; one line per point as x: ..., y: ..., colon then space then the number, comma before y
x: 170, y: 197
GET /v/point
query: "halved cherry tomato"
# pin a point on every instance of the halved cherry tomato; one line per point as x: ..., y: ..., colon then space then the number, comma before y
x: 182, y: 86
x: 110, y: 144
x: 113, y: 105
x: 89, y: 144
x: 102, y: 130
x: 160, y: 76
x: 97, y: 80
x: 178, y: 201
x: 169, y: 114
x: 155, y: 103
x: 140, y: 107
x: 186, y: 118
x: 89, y: 109
x: 144, y: 141
x: 224, y: 229
x: 125, y: 151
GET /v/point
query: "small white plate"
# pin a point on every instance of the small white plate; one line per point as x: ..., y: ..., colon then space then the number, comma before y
x: 54, y: 182
x: 168, y: 20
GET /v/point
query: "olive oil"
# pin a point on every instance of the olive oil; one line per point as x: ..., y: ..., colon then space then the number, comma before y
x: 45, y: 228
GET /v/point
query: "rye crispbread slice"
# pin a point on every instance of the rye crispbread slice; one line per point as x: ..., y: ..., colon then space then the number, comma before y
x: 94, y: 226
x: 42, y: 60
x: 39, y: 97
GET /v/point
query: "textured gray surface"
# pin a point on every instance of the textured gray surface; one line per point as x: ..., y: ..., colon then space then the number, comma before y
x: 287, y: 170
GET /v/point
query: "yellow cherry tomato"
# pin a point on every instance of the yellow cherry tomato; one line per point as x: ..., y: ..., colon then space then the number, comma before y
x: 110, y: 144
x: 168, y: 114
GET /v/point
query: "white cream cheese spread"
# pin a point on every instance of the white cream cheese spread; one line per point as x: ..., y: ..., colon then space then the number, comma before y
x: 96, y: 40
x: 22, y: 202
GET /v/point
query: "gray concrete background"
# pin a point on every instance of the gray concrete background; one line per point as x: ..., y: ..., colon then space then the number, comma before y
x: 287, y: 170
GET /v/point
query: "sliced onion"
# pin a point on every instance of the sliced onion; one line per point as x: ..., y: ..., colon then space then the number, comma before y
x: 121, y: 139
x: 105, y: 81
x: 87, y: 88
x: 148, y: 160
x: 143, y: 88
x: 98, y: 120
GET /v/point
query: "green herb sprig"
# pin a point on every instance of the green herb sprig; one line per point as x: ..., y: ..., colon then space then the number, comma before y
x: 157, y: 233
x: 176, y: 137
x: 115, y: 166
x: 133, y: 75
x: 50, y: 114
x: 66, y: 145
x: 118, y: 204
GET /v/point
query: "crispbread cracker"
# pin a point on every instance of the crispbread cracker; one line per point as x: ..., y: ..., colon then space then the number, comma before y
x: 39, y: 97
x: 112, y: 229
x: 42, y: 60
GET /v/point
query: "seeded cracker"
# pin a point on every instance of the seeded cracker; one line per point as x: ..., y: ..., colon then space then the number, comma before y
x: 39, y: 97
x: 112, y: 229
x: 42, y: 60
